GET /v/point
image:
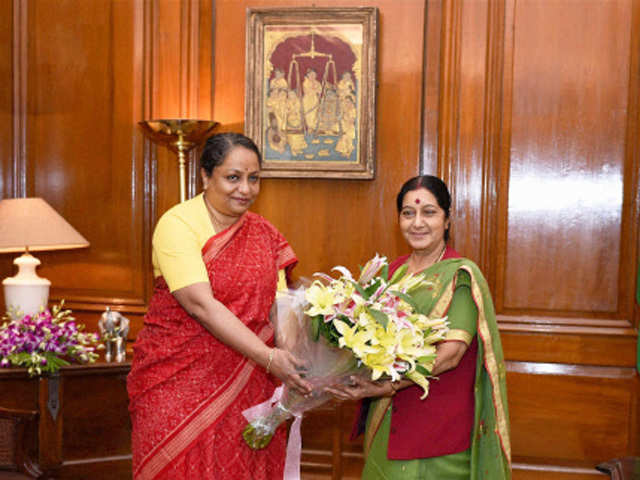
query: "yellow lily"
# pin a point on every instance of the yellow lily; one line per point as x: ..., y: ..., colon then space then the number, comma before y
x: 408, y: 343
x: 421, y: 380
x: 380, y: 363
x: 435, y: 336
x: 408, y: 282
x: 388, y: 338
x: 423, y: 322
x: 353, y: 338
x: 321, y: 298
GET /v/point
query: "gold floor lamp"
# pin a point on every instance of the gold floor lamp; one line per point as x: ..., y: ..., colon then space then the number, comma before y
x: 179, y: 135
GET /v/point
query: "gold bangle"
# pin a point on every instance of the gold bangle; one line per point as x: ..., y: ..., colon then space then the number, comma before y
x: 270, y: 360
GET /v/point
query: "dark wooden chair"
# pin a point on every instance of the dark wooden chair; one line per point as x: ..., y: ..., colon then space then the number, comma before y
x: 626, y: 468
x: 18, y: 440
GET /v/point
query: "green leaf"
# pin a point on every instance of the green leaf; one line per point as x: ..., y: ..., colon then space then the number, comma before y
x: 320, y: 328
x: 385, y: 272
x: 361, y: 291
x: 399, y: 274
x: 371, y: 289
x: 422, y: 370
x: 54, y: 361
x: 379, y: 316
x: 425, y: 359
x: 315, y: 327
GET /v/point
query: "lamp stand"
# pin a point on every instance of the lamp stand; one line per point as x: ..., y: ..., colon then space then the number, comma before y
x: 179, y: 135
x: 26, y: 293
x: 182, y: 146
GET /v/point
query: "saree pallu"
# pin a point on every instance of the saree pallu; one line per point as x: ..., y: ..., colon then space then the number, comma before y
x: 490, y: 451
x: 186, y: 389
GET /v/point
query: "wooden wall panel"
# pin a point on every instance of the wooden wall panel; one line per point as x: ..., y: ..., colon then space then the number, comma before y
x: 528, y: 109
x: 6, y: 96
x: 565, y: 199
x: 566, y: 163
x: 180, y: 69
x: 569, y: 347
x: 463, y: 165
x: 570, y: 415
x: 84, y: 74
x: 83, y: 155
x: 536, y: 134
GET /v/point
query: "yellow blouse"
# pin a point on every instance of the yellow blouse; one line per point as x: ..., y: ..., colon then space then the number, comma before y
x: 177, y: 244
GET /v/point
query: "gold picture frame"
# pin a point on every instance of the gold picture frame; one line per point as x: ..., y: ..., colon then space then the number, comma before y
x: 311, y: 90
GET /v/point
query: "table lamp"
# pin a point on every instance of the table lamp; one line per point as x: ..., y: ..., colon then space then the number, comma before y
x: 28, y: 225
x: 179, y: 135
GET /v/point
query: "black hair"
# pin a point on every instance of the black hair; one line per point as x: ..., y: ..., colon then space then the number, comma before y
x: 436, y: 186
x: 218, y: 147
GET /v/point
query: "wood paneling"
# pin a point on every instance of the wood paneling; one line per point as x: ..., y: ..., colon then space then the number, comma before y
x: 6, y: 97
x: 567, y: 159
x: 566, y: 194
x: 83, y: 155
x: 529, y: 109
x: 537, y: 136
x: 569, y: 347
x: 83, y: 74
x: 585, y: 418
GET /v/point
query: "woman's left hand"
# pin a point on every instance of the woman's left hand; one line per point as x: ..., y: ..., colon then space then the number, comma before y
x: 359, y: 388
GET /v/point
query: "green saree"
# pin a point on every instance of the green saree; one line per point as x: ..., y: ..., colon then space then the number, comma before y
x: 489, y: 457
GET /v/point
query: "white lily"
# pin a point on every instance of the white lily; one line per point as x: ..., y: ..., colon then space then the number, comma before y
x: 371, y: 269
x: 344, y: 271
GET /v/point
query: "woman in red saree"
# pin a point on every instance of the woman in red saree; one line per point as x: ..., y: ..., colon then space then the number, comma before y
x: 205, y: 353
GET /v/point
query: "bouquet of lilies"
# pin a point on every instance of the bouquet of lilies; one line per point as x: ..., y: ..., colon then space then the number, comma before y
x: 325, y: 365
x: 383, y: 320
x: 375, y: 326
x: 45, y: 341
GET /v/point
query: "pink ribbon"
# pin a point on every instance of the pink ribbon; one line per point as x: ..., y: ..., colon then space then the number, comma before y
x: 263, y: 409
x: 294, y: 445
x: 294, y: 449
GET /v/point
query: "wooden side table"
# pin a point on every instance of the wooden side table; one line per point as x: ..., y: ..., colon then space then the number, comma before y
x: 84, y: 428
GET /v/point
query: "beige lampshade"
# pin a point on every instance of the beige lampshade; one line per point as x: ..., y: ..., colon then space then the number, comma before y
x: 33, y: 223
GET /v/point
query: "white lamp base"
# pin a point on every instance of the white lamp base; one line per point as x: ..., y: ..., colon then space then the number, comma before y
x: 26, y: 293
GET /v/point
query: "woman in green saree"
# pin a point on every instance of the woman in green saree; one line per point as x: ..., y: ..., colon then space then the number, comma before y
x: 461, y: 430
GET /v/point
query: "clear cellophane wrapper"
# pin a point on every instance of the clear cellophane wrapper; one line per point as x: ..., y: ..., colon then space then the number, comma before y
x: 324, y: 365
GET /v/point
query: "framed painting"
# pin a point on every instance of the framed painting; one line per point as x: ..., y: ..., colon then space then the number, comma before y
x: 311, y: 90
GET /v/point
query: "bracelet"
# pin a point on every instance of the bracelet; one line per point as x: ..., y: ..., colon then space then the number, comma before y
x: 270, y: 360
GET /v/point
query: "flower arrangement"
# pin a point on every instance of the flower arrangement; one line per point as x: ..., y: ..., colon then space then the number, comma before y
x: 375, y: 326
x: 325, y: 365
x: 46, y: 341
x: 382, y: 320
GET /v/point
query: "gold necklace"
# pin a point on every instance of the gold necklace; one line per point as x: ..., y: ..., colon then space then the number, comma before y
x: 444, y: 249
x: 218, y: 226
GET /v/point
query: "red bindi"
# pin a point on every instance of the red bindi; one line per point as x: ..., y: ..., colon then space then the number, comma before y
x: 417, y: 200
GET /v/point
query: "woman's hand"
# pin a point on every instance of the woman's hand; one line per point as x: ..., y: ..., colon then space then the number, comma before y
x: 286, y: 367
x: 359, y: 388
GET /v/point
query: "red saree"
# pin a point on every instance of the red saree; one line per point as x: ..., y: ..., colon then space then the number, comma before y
x: 186, y: 389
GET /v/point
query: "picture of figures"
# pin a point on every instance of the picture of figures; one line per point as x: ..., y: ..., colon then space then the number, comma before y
x: 311, y: 97
x: 311, y: 90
